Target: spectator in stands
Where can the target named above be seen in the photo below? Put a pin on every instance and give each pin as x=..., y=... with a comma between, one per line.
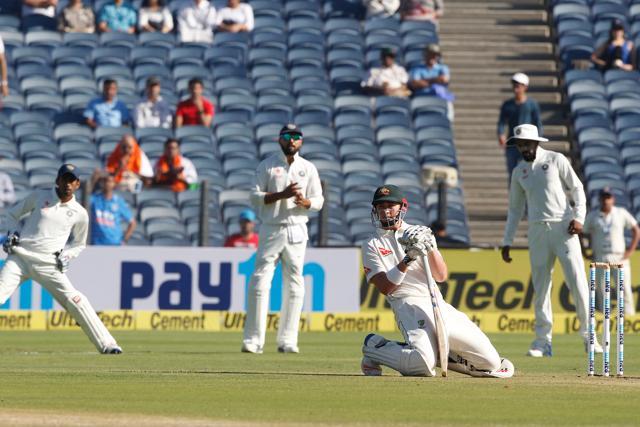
x=421, y=10
x=517, y=111
x=381, y=8
x=173, y=170
x=197, y=110
x=246, y=238
x=155, y=17
x=4, y=82
x=618, y=53
x=117, y=16
x=108, y=212
x=390, y=79
x=44, y=9
x=432, y=77
x=236, y=17
x=196, y=22
x=153, y=111
x=106, y=110
x=7, y=192
x=76, y=18
x=129, y=165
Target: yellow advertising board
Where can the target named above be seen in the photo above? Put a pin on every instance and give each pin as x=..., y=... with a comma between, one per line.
x=480, y=282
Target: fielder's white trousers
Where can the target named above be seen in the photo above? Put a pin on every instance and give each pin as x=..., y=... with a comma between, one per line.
x=629, y=303
x=274, y=245
x=24, y=265
x=418, y=355
x=548, y=240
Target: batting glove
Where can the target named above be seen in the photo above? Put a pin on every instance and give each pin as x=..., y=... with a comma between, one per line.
x=415, y=234
x=62, y=261
x=13, y=238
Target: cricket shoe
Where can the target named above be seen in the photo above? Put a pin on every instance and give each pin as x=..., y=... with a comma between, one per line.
x=597, y=347
x=112, y=350
x=370, y=368
x=251, y=348
x=537, y=351
x=288, y=349
x=461, y=365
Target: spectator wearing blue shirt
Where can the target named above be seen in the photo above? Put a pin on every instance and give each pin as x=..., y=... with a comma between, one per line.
x=118, y=17
x=519, y=110
x=432, y=77
x=107, y=111
x=108, y=212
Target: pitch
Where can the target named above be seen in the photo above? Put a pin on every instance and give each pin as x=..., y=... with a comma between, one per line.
x=55, y=378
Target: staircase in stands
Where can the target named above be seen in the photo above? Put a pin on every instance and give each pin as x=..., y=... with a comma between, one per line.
x=484, y=43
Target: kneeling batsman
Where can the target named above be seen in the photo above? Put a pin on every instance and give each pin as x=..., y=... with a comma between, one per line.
x=403, y=262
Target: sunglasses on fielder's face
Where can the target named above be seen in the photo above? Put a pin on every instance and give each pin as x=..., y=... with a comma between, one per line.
x=291, y=136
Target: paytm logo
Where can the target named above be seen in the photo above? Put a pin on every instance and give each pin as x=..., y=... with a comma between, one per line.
x=25, y=297
x=138, y=281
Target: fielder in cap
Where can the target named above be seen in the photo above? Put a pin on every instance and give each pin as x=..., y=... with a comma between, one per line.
x=539, y=182
x=393, y=263
x=54, y=232
x=287, y=189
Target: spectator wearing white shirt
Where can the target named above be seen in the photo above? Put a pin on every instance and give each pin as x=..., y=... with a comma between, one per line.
x=390, y=79
x=4, y=83
x=236, y=17
x=7, y=192
x=153, y=111
x=196, y=22
x=605, y=228
x=381, y=8
x=155, y=17
x=39, y=7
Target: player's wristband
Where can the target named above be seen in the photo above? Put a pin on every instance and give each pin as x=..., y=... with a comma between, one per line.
x=395, y=276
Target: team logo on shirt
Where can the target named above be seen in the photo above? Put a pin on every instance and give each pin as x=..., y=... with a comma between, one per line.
x=277, y=171
x=421, y=323
x=69, y=214
x=301, y=173
x=384, y=252
x=545, y=167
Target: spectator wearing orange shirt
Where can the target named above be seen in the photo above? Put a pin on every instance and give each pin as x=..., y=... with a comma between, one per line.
x=197, y=110
x=173, y=170
x=129, y=165
x=246, y=238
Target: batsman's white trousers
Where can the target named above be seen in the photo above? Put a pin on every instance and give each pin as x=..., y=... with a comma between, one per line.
x=274, y=245
x=24, y=265
x=629, y=303
x=418, y=355
x=548, y=240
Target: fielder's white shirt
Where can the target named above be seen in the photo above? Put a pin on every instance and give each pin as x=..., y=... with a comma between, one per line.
x=273, y=175
x=243, y=14
x=382, y=252
x=395, y=76
x=50, y=224
x=607, y=231
x=541, y=185
x=196, y=22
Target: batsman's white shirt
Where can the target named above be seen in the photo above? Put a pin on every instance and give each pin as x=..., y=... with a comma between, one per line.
x=542, y=185
x=413, y=310
x=50, y=224
x=273, y=175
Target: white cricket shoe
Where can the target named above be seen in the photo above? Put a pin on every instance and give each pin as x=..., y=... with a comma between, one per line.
x=540, y=351
x=251, y=348
x=370, y=368
x=459, y=364
x=288, y=349
x=506, y=370
x=116, y=349
x=597, y=347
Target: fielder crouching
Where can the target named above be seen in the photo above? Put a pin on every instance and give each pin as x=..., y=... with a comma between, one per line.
x=398, y=272
x=38, y=252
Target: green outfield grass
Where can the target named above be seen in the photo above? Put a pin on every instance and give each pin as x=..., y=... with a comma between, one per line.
x=204, y=376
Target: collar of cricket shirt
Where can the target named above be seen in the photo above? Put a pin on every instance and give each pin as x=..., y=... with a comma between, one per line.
x=283, y=157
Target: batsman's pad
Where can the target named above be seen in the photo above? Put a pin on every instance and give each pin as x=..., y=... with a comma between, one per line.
x=79, y=307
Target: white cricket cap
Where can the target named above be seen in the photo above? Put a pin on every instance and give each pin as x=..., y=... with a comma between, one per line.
x=521, y=78
x=526, y=132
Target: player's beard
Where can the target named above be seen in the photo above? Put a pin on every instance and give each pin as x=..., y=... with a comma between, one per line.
x=529, y=156
x=289, y=150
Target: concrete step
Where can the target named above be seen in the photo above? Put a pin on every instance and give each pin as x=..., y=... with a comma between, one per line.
x=525, y=65
x=465, y=132
x=481, y=95
x=467, y=26
x=493, y=47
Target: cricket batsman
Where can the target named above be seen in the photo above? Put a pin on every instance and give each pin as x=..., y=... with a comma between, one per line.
x=39, y=251
x=539, y=181
x=393, y=263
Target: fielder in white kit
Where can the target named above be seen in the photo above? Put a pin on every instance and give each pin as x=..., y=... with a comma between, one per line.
x=540, y=181
x=54, y=232
x=287, y=188
x=605, y=228
x=397, y=269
